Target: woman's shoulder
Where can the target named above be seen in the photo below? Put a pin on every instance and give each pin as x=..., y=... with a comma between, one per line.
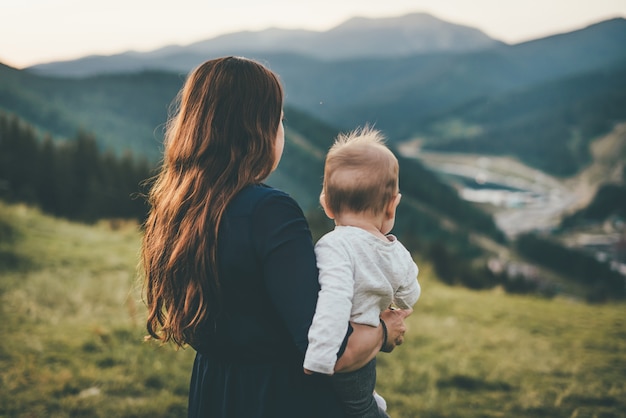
x=256, y=193
x=260, y=191
x=258, y=196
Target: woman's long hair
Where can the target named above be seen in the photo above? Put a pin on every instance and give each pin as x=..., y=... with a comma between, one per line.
x=220, y=139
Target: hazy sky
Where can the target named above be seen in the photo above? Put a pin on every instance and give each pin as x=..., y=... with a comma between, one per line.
x=36, y=31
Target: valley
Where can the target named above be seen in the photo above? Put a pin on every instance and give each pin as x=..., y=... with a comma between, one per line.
x=523, y=199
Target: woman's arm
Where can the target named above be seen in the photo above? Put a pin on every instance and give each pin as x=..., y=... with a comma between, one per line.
x=365, y=341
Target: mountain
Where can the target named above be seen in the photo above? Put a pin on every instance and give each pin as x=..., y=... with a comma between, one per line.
x=427, y=85
x=550, y=125
x=358, y=37
x=539, y=83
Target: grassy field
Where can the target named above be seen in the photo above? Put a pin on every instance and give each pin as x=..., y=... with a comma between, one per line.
x=72, y=346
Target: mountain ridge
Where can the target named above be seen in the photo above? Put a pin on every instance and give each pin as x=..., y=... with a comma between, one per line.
x=413, y=33
x=405, y=97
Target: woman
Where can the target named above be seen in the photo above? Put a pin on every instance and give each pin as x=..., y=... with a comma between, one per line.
x=229, y=262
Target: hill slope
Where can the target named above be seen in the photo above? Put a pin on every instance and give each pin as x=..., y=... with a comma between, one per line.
x=549, y=125
x=136, y=105
x=73, y=323
x=126, y=112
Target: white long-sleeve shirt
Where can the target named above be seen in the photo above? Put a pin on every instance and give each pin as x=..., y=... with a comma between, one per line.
x=360, y=276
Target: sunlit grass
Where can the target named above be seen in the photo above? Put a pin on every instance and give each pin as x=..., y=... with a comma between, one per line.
x=477, y=354
x=73, y=328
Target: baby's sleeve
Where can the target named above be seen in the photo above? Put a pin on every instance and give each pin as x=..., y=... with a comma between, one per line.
x=334, y=304
x=407, y=295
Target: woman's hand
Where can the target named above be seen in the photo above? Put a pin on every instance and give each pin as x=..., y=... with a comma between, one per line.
x=365, y=341
x=394, y=321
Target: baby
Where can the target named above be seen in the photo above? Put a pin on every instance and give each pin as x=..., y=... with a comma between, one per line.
x=363, y=269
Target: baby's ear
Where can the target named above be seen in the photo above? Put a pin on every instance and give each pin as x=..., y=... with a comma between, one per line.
x=393, y=205
x=327, y=210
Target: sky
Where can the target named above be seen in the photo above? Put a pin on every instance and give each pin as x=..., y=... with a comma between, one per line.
x=38, y=31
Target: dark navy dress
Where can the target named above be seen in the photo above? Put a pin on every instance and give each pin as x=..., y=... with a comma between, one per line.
x=249, y=364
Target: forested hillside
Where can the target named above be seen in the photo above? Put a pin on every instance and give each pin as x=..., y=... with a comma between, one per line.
x=550, y=126
x=73, y=179
x=125, y=112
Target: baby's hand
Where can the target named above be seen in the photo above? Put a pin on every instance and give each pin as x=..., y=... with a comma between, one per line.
x=307, y=371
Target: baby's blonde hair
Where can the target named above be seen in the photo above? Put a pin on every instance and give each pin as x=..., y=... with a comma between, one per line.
x=361, y=173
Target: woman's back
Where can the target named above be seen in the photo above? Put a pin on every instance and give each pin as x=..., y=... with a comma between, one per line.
x=250, y=363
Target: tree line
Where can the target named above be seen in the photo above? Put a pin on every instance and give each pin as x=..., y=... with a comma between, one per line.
x=609, y=201
x=600, y=279
x=74, y=178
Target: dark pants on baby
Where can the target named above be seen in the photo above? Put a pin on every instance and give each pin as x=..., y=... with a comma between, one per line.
x=356, y=392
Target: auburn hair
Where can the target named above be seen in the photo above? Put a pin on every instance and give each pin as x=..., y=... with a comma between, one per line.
x=220, y=139
x=360, y=173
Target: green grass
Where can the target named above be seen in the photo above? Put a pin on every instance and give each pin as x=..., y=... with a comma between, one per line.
x=73, y=327
x=489, y=354
x=72, y=324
